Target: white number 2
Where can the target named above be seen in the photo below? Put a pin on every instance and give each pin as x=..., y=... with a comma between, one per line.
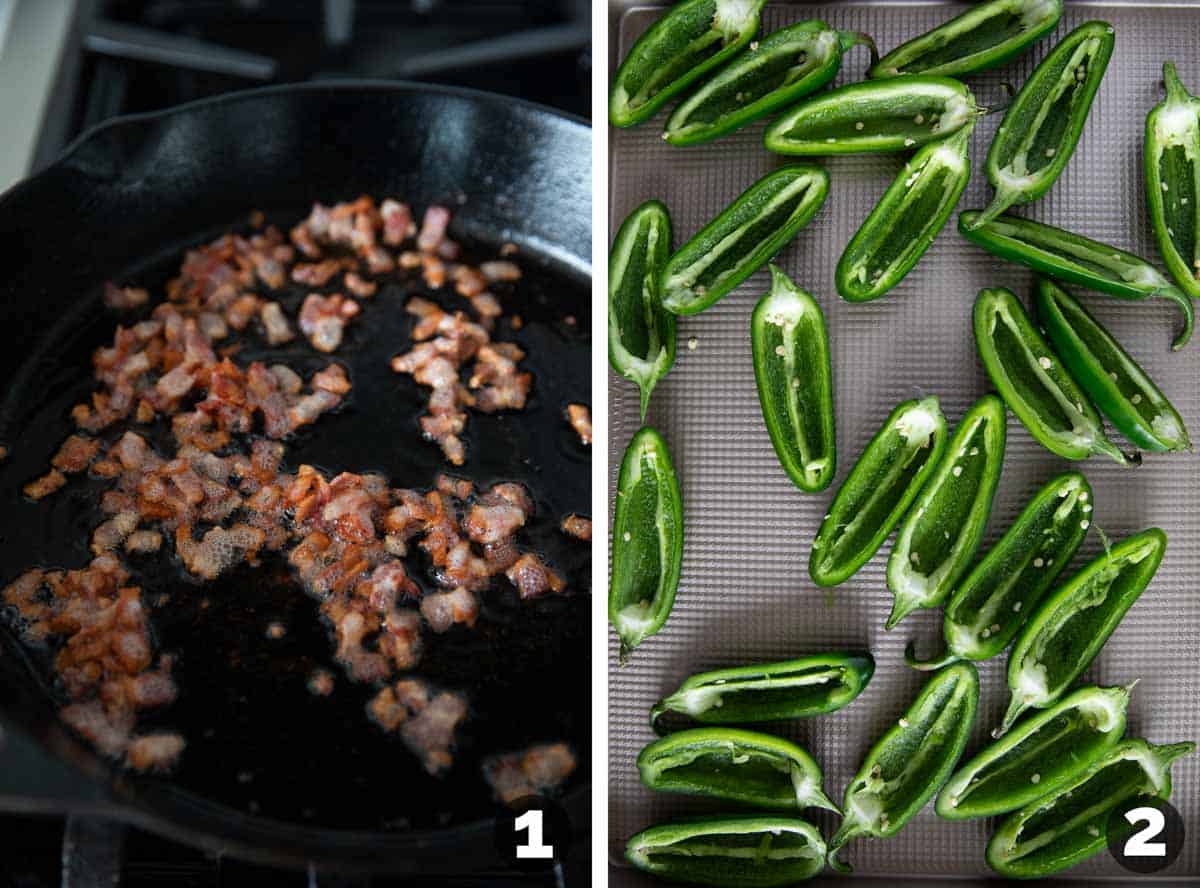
x=534, y=849
x=1136, y=845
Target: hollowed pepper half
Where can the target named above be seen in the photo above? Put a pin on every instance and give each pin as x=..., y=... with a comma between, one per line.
x=907, y=219
x=874, y=116
x=735, y=765
x=938, y=538
x=1041, y=755
x=807, y=686
x=985, y=36
x=1077, y=260
x=1113, y=379
x=641, y=335
x=694, y=37
x=1044, y=121
x=647, y=541
x=795, y=382
x=743, y=237
x=1070, y=825
x=784, y=66
x=1068, y=629
x=911, y=761
x=1035, y=383
x=878, y=491
x=752, y=851
x=992, y=603
x=1172, y=165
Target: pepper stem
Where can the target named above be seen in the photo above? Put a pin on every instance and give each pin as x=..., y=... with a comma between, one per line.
x=655, y=711
x=848, y=830
x=1167, y=753
x=1184, y=301
x=644, y=399
x=902, y=606
x=820, y=800
x=847, y=40
x=910, y=657
x=1176, y=91
x=1005, y=198
x=1016, y=707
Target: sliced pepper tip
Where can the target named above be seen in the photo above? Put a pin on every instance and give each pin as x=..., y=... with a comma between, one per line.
x=910, y=657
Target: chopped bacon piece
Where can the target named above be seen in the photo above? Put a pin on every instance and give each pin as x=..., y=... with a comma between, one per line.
x=433, y=229
x=427, y=720
x=459, y=488
x=124, y=298
x=398, y=223
x=500, y=270
x=580, y=418
x=493, y=518
x=443, y=609
x=316, y=274
x=578, y=527
x=218, y=550
x=75, y=454
x=321, y=682
x=540, y=768
x=108, y=730
x=113, y=532
x=532, y=578
x=143, y=542
x=276, y=324
x=359, y=286
x=154, y=752
x=44, y=486
x=323, y=319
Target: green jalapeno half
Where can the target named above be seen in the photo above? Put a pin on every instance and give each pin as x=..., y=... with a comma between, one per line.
x=1172, y=164
x=1068, y=629
x=874, y=116
x=1113, y=380
x=909, y=763
x=989, y=607
x=807, y=686
x=694, y=37
x=878, y=491
x=743, y=237
x=983, y=37
x=641, y=335
x=1040, y=756
x=907, y=219
x=1076, y=260
x=1044, y=121
x=753, y=851
x=740, y=766
x=938, y=538
x=1069, y=826
x=795, y=382
x=647, y=541
x=1035, y=383
x=784, y=66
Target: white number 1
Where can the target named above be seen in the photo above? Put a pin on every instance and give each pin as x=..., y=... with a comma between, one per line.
x=1136, y=845
x=534, y=849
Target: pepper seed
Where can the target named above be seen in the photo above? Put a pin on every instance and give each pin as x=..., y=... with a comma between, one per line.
x=1049, y=152
x=1038, y=562
x=974, y=451
x=627, y=536
x=1045, y=362
x=1017, y=607
x=858, y=125
x=919, y=119
x=1036, y=778
x=1136, y=399
x=1085, y=524
x=693, y=343
x=904, y=723
x=908, y=143
x=779, y=350
x=957, y=471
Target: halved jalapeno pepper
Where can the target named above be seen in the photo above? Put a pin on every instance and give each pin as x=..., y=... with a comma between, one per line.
x=739, y=766
x=1068, y=629
x=909, y=763
x=647, y=541
x=1172, y=166
x=784, y=66
x=755, y=851
x=878, y=491
x=1034, y=382
x=807, y=686
x=985, y=36
x=1077, y=260
x=1040, y=756
x=641, y=336
x=1069, y=826
x=743, y=237
x=1113, y=380
x=989, y=607
x=937, y=540
x=795, y=382
x=907, y=219
x=874, y=116
x=695, y=36
x=1042, y=125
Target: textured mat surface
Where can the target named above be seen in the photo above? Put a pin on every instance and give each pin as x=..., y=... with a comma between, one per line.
x=745, y=594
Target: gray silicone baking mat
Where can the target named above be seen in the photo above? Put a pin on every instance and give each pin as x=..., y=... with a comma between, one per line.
x=745, y=595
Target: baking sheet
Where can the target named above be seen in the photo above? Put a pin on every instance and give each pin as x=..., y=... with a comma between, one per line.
x=745, y=595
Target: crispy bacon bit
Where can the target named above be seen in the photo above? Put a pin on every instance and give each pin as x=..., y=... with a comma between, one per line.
x=539, y=769
x=359, y=286
x=580, y=418
x=3, y=453
x=495, y=375
x=323, y=319
x=578, y=527
x=426, y=720
x=398, y=223
x=442, y=610
x=75, y=454
x=321, y=682
x=433, y=229
x=124, y=298
x=276, y=324
x=494, y=517
x=154, y=752
x=143, y=542
x=532, y=578
x=459, y=488
x=500, y=270
x=316, y=274
x=44, y=486
x=113, y=532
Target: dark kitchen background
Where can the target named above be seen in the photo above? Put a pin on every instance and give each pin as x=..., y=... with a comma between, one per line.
x=67, y=65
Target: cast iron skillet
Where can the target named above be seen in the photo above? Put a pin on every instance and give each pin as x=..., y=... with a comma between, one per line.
x=271, y=772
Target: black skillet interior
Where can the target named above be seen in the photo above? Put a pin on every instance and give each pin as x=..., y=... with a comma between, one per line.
x=122, y=204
